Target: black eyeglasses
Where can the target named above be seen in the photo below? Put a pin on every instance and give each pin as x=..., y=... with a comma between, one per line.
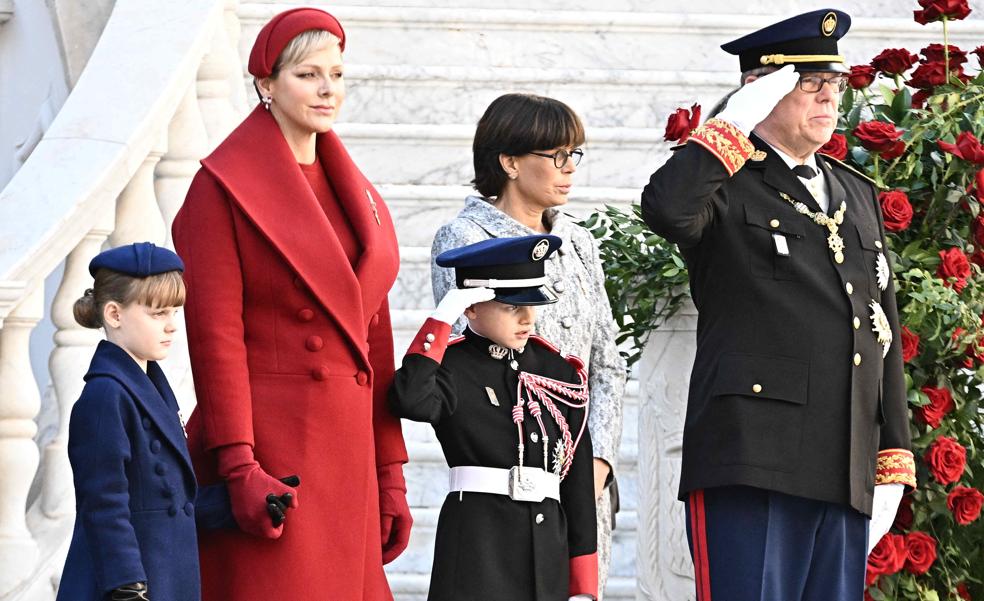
x=561, y=156
x=813, y=83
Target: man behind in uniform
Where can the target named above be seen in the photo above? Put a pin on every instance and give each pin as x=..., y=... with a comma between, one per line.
x=797, y=424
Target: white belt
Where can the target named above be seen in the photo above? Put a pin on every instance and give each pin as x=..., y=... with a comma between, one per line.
x=531, y=484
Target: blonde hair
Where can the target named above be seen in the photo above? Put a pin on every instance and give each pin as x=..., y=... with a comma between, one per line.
x=161, y=290
x=302, y=45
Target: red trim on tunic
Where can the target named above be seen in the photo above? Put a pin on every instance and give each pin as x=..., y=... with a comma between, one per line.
x=435, y=349
x=584, y=575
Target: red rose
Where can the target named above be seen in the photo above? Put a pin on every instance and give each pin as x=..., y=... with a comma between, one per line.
x=946, y=460
x=896, y=210
x=967, y=147
x=979, y=52
x=903, y=517
x=910, y=344
x=934, y=10
x=835, y=147
x=954, y=264
x=978, y=258
x=965, y=503
x=681, y=123
x=877, y=136
x=861, y=76
x=919, y=98
x=934, y=53
x=886, y=558
x=978, y=190
x=920, y=552
x=928, y=75
x=894, y=61
x=940, y=404
x=893, y=152
x=962, y=592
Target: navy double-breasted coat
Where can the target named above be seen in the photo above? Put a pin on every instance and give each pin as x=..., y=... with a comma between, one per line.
x=136, y=495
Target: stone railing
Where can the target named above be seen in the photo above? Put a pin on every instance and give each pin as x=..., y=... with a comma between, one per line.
x=113, y=168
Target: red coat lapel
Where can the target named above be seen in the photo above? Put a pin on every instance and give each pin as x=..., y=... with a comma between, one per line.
x=258, y=170
x=380, y=260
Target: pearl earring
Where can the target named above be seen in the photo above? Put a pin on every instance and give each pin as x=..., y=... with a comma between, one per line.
x=267, y=101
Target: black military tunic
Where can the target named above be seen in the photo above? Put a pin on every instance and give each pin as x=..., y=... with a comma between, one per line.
x=790, y=390
x=490, y=547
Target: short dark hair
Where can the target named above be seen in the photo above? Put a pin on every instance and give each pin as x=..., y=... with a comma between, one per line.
x=515, y=124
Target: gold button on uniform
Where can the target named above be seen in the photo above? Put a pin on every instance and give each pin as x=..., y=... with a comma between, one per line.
x=878, y=244
x=857, y=358
x=857, y=322
x=429, y=338
x=756, y=388
x=849, y=287
x=774, y=223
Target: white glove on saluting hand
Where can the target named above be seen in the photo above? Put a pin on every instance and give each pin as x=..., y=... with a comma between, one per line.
x=457, y=300
x=751, y=104
x=883, y=509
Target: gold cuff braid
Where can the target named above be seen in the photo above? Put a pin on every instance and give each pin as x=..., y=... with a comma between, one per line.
x=726, y=142
x=896, y=466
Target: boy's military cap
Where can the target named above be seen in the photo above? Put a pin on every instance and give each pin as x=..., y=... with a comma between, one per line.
x=512, y=267
x=137, y=260
x=808, y=41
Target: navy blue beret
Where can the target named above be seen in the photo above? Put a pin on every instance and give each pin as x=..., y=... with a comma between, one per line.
x=808, y=41
x=513, y=267
x=137, y=260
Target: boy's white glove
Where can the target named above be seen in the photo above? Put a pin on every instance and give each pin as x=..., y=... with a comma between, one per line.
x=883, y=509
x=457, y=300
x=751, y=104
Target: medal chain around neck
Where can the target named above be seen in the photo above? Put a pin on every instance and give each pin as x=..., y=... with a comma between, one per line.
x=834, y=240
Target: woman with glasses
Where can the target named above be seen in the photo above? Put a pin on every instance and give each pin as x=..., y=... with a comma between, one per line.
x=525, y=153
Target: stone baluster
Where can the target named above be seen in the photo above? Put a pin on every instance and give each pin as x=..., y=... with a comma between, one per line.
x=664, y=571
x=20, y=401
x=138, y=218
x=187, y=143
x=221, y=94
x=67, y=365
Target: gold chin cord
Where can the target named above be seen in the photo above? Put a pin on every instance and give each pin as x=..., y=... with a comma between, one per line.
x=783, y=59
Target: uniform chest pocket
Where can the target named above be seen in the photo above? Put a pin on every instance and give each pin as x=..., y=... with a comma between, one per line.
x=775, y=243
x=875, y=262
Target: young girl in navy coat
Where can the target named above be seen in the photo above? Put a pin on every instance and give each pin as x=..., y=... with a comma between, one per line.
x=136, y=497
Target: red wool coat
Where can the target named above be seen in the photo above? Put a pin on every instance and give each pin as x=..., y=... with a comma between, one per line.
x=291, y=350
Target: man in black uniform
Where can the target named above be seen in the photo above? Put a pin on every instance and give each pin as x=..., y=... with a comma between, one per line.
x=510, y=412
x=797, y=422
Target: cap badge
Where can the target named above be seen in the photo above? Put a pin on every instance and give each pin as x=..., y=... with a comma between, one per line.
x=540, y=250
x=829, y=24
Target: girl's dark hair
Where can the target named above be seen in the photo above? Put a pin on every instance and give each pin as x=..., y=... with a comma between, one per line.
x=515, y=124
x=162, y=290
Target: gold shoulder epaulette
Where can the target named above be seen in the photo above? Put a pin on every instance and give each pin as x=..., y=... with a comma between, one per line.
x=847, y=167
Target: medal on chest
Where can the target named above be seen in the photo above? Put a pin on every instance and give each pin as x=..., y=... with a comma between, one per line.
x=834, y=240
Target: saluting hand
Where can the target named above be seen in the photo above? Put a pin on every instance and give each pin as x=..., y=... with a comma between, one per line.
x=457, y=300
x=751, y=104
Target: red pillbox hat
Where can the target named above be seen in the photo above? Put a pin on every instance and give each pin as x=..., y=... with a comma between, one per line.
x=283, y=28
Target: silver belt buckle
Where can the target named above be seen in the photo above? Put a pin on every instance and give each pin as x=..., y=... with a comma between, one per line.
x=525, y=485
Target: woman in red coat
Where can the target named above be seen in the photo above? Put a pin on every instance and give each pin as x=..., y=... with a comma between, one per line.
x=290, y=254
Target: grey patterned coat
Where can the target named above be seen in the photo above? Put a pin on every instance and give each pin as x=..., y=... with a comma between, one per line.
x=580, y=323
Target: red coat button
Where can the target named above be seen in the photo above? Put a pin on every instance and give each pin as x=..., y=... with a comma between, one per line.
x=375, y=320
x=320, y=373
x=362, y=378
x=314, y=343
x=305, y=315
x=299, y=283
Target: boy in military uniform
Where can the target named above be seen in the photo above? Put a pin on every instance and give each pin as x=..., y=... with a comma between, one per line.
x=797, y=421
x=510, y=412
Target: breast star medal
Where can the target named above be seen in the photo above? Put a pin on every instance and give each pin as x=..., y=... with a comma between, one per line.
x=834, y=240
x=881, y=327
x=558, y=457
x=882, y=271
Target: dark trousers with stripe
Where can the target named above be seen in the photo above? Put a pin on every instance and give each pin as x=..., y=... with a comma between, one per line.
x=750, y=544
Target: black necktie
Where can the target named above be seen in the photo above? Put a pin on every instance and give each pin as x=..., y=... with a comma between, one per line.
x=804, y=171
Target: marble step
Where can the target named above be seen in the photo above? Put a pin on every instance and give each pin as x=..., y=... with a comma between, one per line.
x=615, y=157
x=419, y=210
x=512, y=37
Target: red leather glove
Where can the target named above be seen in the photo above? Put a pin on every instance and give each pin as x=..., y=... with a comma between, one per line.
x=394, y=513
x=249, y=486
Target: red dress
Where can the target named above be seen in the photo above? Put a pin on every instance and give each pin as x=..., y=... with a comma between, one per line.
x=291, y=349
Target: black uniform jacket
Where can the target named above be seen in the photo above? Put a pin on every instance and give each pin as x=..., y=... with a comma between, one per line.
x=489, y=547
x=789, y=390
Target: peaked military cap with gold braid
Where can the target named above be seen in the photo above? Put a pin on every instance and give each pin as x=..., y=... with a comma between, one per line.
x=808, y=41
